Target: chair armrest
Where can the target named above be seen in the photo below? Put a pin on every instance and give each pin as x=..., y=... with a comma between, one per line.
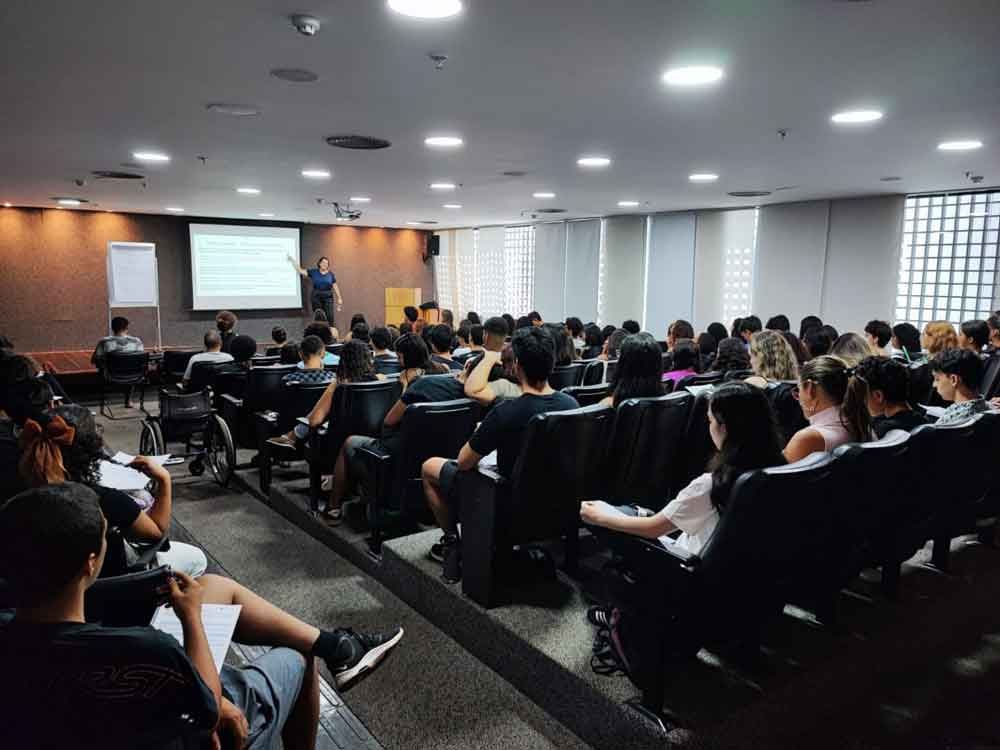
x=375, y=475
x=231, y=399
x=147, y=552
x=482, y=492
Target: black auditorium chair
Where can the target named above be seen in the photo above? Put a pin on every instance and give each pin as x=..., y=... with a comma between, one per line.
x=260, y=393
x=674, y=603
x=594, y=372
x=988, y=508
x=737, y=374
x=293, y=400
x=561, y=463
x=784, y=401
x=124, y=371
x=356, y=409
x=611, y=371
x=645, y=449
x=922, y=389
x=174, y=364
x=567, y=375
x=273, y=351
x=127, y=600
x=203, y=375
x=462, y=358
x=668, y=361
x=391, y=485
x=990, y=387
x=697, y=446
x=265, y=360
x=388, y=366
x=702, y=378
x=588, y=395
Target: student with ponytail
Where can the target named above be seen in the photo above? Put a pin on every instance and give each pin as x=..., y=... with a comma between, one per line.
x=835, y=403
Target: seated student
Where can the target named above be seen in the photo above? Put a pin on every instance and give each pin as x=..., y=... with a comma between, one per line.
x=118, y=341
x=83, y=685
x=473, y=317
x=574, y=327
x=685, y=361
x=226, y=322
x=381, y=340
x=830, y=331
x=771, y=359
x=707, y=348
x=938, y=335
x=311, y=352
x=279, y=336
x=778, y=323
x=993, y=323
x=593, y=342
x=511, y=323
x=566, y=351
x=801, y=355
x=808, y=323
x=742, y=427
x=213, y=353
x=631, y=326
x=817, y=343
x=325, y=333
x=65, y=445
x=974, y=335
x=523, y=322
x=360, y=332
x=906, y=342
x=640, y=367
x=448, y=318
x=732, y=355
x=887, y=383
x=748, y=327
x=833, y=402
x=242, y=348
x=879, y=335
x=957, y=375
x=356, y=366
x=464, y=335
x=410, y=315
x=718, y=331
x=613, y=344
x=405, y=327
x=289, y=354
x=502, y=431
x=483, y=383
x=440, y=342
x=418, y=388
x=679, y=330
x=852, y=348
x=535, y=318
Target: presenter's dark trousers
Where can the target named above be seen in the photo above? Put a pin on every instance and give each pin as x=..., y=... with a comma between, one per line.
x=324, y=302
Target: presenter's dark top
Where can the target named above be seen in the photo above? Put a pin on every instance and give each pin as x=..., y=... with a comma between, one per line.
x=322, y=282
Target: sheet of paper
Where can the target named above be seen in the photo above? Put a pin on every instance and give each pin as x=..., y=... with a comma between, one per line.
x=933, y=411
x=219, y=621
x=119, y=477
x=125, y=458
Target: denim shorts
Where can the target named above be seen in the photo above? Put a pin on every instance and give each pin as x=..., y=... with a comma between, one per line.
x=265, y=690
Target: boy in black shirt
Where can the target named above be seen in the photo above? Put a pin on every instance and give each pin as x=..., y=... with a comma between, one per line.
x=502, y=431
x=887, y=383
x=82, y=685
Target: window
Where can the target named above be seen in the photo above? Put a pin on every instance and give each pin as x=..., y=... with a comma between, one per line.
x=949, y=256
x=519, y=249
x=737, y=281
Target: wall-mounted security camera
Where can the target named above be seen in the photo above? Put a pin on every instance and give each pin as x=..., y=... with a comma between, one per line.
x=306, y=25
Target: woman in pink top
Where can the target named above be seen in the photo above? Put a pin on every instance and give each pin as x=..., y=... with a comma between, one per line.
x=834, y=403
x=685, y=361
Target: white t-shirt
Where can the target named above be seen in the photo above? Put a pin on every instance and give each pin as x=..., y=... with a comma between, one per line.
x=206, y=357
x=693, y=513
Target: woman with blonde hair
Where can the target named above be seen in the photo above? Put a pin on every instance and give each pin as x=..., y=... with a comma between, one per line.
x=852, y=348
x=772, y=359
x=938, y=335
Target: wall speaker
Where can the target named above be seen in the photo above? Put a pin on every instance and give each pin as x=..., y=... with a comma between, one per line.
x=433, y=245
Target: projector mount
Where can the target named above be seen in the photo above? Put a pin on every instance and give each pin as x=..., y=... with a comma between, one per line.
x=342, y=211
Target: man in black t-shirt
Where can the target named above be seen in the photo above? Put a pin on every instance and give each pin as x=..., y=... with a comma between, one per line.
x=502, y=431
x=440, y=342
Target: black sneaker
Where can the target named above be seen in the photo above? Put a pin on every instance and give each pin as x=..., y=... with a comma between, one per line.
x=599, y=616
x=437, y=550
x=452, y=568
x=360, y=652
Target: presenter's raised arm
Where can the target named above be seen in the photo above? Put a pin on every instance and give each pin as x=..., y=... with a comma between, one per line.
x=296, y=266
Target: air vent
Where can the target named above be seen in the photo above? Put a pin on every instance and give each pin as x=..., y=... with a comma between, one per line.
x=358, y=142
x=786, y=187
x=427, y=221
x=548, y=211
x=889, y=179
x=110, y=174
x=295, y=75
x=749, y=193
x=514, y=173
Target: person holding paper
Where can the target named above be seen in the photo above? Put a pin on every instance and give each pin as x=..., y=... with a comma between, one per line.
x=82, y=685
x=324, y=286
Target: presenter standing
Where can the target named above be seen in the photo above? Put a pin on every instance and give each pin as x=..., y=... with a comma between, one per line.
x=324, y=286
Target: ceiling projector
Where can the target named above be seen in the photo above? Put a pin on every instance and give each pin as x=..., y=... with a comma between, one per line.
x=346, y=212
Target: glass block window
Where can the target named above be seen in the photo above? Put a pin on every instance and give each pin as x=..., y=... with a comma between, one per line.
x=737, y=278
x=949, y=257
x=519, y=251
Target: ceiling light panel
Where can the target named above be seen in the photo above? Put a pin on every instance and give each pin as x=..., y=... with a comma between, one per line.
x=693, y=75
x=429, y=9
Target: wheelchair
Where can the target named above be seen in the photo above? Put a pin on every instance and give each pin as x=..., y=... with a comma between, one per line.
x=189, y=418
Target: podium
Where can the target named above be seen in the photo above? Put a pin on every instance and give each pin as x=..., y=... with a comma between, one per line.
x=396, y=298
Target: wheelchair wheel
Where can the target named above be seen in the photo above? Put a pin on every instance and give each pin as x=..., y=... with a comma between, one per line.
x=151, y=441
x=220, y=452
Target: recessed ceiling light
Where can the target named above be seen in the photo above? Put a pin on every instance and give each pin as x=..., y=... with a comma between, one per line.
x=959, y=145
x=593, y=161
x=856, y=116
x=360, y=199
x=452, y=205
x=266, y=216
x=109, y=210
x=153, y=156
x=342, y=218
x=703, y=177
x=69, y=202
x=628, y=204
x=175, y=209
x=233, y=110
x=316, y=174
x=543, y=196
x=248, y=190
x=692, y=75
x=442, y=186
x=6, y=205
x=295, y=75
x=443, y=141
x=426, y=8
x=414, y=223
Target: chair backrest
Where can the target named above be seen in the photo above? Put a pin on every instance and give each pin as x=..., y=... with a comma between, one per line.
x=702, y=378
x=785, y=405
x=125, y=600
x=359, y=409
x=265, y=360
x=462, y=358
x=921, y=384
x=567, y=375
x=334, y=348
x=588, y=395
x=697, y=446
x=388, y=366
x=263, y=385
x=126, y=367
x=184, y=407
x=737, y=374
x=594, y=374
x=273, y=351
x=175, y=362
x=203, y=375
x=990, y=387
x=296, y=400
x=645, y=449
x=438, y=428
x=560, y=464
x=667, y=360
x=611, y=371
